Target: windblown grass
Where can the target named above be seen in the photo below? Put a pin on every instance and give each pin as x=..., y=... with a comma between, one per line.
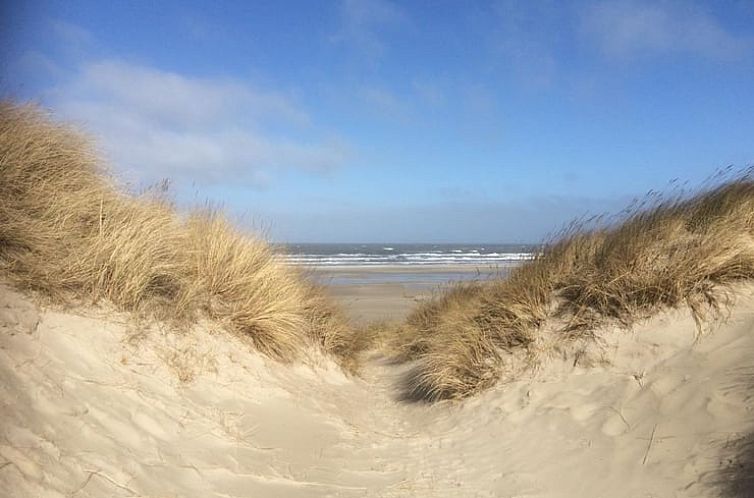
x=69, y=232
x=669, y=252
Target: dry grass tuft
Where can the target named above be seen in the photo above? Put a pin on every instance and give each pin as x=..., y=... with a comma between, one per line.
x=665, y=253
x=68, y=232
x=413, y=338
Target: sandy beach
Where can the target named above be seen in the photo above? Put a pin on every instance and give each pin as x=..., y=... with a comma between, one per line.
x=389, y=292
x=150, y=352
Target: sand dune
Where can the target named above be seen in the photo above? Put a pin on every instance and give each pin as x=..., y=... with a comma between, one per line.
x=96, y=405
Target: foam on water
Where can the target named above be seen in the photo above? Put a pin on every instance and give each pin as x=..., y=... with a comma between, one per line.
x=335, y=255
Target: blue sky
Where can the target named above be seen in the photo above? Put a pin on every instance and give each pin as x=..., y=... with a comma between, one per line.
x=378, y=121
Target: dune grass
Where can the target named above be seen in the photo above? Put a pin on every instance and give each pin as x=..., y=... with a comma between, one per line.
x=673, y=251
x=69, y=232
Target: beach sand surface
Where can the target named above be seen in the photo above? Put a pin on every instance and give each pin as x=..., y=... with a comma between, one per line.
x=388, y=293
x=93, y=404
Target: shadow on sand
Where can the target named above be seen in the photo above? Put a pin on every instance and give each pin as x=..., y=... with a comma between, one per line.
x=736, y=479
x=411, y=389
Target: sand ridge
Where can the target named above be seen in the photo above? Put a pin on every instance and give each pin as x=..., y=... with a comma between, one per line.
x=95, y=405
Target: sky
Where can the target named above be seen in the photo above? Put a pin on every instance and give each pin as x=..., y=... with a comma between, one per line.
x=379, y=121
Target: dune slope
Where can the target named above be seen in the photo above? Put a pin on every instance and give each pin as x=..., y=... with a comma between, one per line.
x=680, y=250
x=69, y=231
x=93, y=405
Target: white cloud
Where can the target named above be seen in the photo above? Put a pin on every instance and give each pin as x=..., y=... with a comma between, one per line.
x=640, y=27
x=159, y=124
x=166, y=95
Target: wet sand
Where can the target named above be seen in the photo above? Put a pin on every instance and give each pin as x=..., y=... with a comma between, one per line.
x=389, y=293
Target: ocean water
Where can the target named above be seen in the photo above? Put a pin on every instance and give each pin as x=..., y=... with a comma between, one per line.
x=415, y=266
x=371, y=255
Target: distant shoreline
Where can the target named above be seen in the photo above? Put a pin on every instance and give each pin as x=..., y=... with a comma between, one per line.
x=412, y=255
x=410, y=268
x=382, y=292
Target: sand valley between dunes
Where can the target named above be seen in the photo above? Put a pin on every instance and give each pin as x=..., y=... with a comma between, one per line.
x=96, y=405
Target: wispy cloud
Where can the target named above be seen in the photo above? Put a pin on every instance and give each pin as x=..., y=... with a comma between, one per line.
x=363, y=23
x=170, y=96
x=158, y=124
x=643, y=28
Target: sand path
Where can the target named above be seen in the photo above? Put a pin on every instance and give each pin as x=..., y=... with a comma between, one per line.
x=93, y=406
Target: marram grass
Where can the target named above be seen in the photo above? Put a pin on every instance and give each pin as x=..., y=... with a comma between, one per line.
x=683, y=250
x=69, y=232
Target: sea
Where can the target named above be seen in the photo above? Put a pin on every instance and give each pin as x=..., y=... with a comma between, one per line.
x=425, y=264
x=371, y=255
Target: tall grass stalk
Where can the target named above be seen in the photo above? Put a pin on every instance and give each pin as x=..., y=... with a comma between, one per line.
x=667, y=252
x=69, y=232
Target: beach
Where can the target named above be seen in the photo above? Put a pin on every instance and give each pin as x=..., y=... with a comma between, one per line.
x=377, y=249
x=145, y=351
x=383, y=282
x=387, y=293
